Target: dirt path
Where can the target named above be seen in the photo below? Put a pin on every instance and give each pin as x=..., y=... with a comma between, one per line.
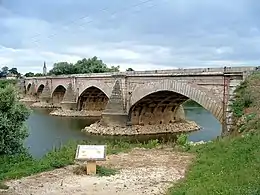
x=142, y=171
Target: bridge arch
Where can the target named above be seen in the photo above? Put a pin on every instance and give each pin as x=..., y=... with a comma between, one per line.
x=39, y=90
x=28, y=87
x=92, y=99
x=58, y=94
x=160, y=101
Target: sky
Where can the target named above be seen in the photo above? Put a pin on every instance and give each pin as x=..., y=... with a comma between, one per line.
x=141, y=34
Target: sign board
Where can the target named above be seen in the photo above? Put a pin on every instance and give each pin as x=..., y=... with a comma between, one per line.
x=91, y=152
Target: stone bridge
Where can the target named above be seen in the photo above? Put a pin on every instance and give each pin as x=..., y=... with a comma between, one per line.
x=142, y=97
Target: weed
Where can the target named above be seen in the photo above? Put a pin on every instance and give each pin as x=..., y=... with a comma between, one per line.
x=105, y=171
x=3, y=186
x=101, y=170
x=152, y=144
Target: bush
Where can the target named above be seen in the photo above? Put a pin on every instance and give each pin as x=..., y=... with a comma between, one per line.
x=13, y=114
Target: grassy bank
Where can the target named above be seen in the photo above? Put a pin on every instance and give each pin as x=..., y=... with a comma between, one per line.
x=230, y=165
x=14, y=167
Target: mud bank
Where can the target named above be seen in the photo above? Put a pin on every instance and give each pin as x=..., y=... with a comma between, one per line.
x=178, y=127
x=44, y=105
x=27, y=100
x=73, y=113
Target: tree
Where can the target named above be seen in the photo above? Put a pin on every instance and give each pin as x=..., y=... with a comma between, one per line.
x=114, y=69
x=38, y=75
x=13, y=71
x=29, y=74
x=13, y=115
x=5, y=69
x=62, y=68
x=129, y=69
x=91, y=65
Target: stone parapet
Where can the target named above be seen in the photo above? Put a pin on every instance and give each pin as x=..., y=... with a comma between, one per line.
x=169, y=72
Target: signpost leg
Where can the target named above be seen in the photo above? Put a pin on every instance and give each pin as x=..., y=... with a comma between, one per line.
x=91, y=167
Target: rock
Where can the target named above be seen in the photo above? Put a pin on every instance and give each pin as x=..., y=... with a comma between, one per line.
x=186, y=126
x=74, y=113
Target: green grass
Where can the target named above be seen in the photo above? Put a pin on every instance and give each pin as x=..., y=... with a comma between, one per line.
x=101, y=170
x=105, y=171
x=14, y=167
x=228, y=166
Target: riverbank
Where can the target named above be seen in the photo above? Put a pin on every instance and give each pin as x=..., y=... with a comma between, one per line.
x=140, y=171
x=44, y=105
x=132, y=164
x=178, y=127
x=33, y=103
x=73, y=113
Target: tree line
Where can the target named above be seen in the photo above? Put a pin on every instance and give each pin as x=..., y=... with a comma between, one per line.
x=5, y=71
x=90, y=65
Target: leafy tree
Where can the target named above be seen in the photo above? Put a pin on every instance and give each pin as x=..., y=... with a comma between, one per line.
x=129, y=69
x=114, y=69
x=62, y=68
x=13, y=114
x=5, y=69
x=91, y=65
x=38, y=75
x=13, y=71
x=29, y=74
x=5, y=82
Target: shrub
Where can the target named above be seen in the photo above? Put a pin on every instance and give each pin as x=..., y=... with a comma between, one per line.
x=13, y=114
x=182, y=139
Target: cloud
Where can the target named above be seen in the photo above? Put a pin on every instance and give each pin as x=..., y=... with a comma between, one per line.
x=140, y=34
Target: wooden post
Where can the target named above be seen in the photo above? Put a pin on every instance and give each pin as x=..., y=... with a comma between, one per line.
x=91, y=167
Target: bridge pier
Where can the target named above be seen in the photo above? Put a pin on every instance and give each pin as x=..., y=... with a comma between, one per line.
x=32, y=91
x=69, y=101
x=114, y=114
x=46, y=93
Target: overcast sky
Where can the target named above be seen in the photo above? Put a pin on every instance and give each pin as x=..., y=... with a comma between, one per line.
x=142, y=34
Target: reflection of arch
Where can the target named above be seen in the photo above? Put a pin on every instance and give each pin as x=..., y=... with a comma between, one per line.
x=166, y=96
x=39, y=90
x=58, y=94
x=92, y=99
x=28, y=87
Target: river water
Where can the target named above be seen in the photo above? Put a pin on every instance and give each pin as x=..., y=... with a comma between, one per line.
x=47, y=132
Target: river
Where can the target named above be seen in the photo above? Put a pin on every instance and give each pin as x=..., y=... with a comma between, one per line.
x=46, y=132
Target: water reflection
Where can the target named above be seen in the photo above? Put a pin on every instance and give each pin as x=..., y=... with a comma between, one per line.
x=211, y=127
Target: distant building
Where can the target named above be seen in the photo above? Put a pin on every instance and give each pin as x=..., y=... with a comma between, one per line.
x=44, y=69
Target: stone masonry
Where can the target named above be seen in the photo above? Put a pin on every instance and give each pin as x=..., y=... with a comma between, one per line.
x=142, y=97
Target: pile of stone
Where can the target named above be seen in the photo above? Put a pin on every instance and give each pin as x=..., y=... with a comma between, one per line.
x=73, y=113
x=187, y=126
x=43, y=105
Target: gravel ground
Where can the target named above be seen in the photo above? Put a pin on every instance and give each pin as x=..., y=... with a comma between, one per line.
x=142, y=171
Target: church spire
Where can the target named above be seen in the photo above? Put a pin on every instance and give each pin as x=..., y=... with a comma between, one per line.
x=44, y=68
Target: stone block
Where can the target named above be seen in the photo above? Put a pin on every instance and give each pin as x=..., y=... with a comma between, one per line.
x=69, y=105
x=114, y=120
